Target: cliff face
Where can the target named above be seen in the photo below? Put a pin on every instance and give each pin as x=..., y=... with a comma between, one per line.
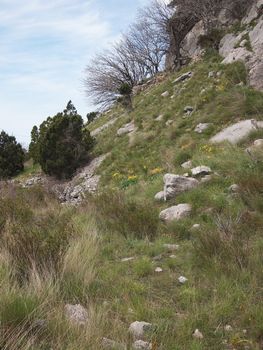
x=245, y=45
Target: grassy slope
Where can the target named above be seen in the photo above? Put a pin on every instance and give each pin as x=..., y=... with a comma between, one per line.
x=222, y=260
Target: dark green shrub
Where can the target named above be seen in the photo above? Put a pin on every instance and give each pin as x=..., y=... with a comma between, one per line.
x=12, y=156
x=126, y=216
x=63, y=143
x=92, y=116
x=211, y=40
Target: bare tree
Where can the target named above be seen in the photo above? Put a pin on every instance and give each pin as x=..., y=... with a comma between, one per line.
x=139, y=55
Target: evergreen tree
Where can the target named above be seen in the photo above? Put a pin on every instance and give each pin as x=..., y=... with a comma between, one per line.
x=11, y=156
x=63, y=143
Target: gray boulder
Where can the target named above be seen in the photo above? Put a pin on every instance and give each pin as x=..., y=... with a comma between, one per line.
x=187, y=165
x=176, y=212
x=201, y=170
x=183, y=77
x=175, y=184
x=138, y=329
x=77, y=314
x=237, y=132
x=126, y=129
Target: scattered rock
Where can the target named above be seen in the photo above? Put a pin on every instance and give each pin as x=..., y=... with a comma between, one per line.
x=206, y=178
x=138, y=329
x=165, y=94
x=212, y=74
x=109, y=344
x=188, y=110
x=175, y=184
x=103, y=127
x=159, y=118
x=200, y=128
x=237, y=132
x=36, y=180
x=76, y=314
x=182, y=279
x=126, y=129
x=141, y=345
x=234, y=188
x=196, y=227
x=201, y=170
x=158, y=269
x=169, y=122
x=183, y=77
x=228, y=328
x=258, y=143
x=197, y=334
x=176, y=212
x=171, y=247
x=127, y=259
x=187, y=165
x=172, y=256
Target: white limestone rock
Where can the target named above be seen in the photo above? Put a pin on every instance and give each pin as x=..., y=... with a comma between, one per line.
x=138, y=329
x=176, y=212
x=237, y=132
x=77, y=314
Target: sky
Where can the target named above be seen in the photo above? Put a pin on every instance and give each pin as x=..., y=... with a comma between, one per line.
x=45, y=46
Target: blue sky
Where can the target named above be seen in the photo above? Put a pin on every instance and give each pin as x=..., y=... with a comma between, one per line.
x=44, y=48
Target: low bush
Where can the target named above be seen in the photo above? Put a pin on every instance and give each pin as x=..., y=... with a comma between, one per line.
x=126, y=216
x=34, y=237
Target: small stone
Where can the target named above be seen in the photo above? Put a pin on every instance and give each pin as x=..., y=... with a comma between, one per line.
x=187, y=165
x=201, y=170
x=172, y=256
x=206, y=178
x=165, y=94
x=169, y=122
x=258, y=143
x=76, y=314
x=128, y=259
x=158, y=257
x=203, y=91
x=228, y=328
x=196, y=227
x=141, y=345
x=138, y=329
x=182, y=279
x=112, y=345
x=171, y=247
x=188, y=109
x=234, y=188
x=244, y=331
x=197, y=334
x=172, y=97
x=159, y=118
x=158, y=269
x=183, y=77
x=212, y=74
x=201, y=127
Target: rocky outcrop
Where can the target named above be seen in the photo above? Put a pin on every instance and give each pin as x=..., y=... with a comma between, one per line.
x=237, y=132
x=103, y=127
x=86, y=181
x=247, y=46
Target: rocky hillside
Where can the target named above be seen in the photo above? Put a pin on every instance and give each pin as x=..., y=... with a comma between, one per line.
x=164, y=247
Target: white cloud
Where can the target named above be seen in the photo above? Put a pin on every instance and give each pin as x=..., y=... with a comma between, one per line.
x=44, y=48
